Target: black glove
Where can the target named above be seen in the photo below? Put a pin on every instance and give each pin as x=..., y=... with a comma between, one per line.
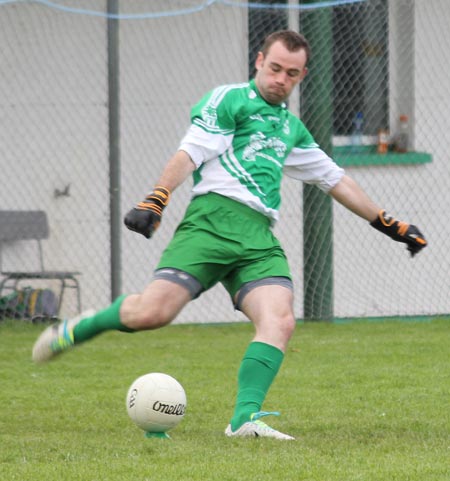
x=400, y=232
x=146, y=216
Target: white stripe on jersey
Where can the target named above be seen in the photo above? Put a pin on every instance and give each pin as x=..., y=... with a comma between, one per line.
x=202, y=145
x=219, y=93
x=211, y=128
x=220, y=181
x=233, y=164
x=213, y=102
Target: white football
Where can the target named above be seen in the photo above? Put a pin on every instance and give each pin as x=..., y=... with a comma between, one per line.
x=156, y=402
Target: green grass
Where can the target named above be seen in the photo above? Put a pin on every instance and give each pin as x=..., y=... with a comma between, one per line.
x=367, y=401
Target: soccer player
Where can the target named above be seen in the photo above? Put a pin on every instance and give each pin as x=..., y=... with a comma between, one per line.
x=241, y=140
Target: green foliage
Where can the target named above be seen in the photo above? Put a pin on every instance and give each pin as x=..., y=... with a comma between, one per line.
x=366, y=401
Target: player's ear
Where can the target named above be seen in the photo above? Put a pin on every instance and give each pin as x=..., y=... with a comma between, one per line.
x=304, y=73
x=259, y=61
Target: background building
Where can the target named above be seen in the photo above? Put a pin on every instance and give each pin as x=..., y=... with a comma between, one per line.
x=95, y=96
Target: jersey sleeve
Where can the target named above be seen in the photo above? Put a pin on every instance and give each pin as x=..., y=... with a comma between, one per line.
x=212, y=127
x=310, y=164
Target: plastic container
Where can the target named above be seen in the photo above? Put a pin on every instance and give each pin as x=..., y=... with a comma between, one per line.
x=383, y=141
x=402, y=137
x=357, y=132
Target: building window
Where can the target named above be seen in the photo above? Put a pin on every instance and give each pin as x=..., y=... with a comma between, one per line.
x=359, y=57
x=360, y=66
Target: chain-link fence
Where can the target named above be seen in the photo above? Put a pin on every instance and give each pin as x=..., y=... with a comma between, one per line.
x=72, y=74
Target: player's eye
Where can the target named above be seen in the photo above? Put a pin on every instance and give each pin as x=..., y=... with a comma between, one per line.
x=293, y=73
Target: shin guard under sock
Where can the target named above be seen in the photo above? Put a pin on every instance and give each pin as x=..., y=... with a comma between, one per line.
x=104, y=320
x=258, y=369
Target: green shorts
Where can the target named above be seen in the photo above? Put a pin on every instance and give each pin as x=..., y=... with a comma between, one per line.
x=221, y=240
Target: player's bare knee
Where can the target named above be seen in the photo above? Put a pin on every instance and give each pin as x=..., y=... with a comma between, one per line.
x=140, y=314
x=153, y=317
x=287, y=325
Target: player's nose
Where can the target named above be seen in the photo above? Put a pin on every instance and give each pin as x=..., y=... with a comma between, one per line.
x=281, y=78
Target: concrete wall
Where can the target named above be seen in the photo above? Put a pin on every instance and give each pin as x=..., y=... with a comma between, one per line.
x=54, y=132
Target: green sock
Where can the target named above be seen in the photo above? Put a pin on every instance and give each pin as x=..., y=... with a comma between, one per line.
x=104, y=320
x=258, y=369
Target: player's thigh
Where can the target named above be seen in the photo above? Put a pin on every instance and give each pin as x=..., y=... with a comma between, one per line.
x=270, y=308
x=158, y=304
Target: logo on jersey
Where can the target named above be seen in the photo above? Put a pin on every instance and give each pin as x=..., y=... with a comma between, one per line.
x=257, y=117
x=273, y=119
x=259, y=142
x=209, y=115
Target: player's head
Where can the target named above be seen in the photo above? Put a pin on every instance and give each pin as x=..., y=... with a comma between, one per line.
x=281, y=65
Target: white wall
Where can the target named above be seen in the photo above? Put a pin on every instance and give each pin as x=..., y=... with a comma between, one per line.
x=54, y=130
x=415, y=193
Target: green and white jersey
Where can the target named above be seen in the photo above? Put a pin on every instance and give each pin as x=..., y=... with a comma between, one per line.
x=242, y=145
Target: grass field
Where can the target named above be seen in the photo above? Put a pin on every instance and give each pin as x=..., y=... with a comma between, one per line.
x=366, y=401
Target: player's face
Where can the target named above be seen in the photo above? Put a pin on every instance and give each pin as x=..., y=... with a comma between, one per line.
x=279, y=71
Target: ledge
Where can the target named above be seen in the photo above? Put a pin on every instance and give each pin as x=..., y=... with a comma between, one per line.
x=345, y=156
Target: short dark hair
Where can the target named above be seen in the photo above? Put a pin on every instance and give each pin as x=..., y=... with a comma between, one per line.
x=292, y=40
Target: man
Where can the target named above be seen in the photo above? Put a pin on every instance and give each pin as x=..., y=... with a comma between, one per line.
x=241, y=140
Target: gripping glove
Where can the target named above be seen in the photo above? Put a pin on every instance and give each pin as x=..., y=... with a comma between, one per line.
x=400, y=232
x=145, y=217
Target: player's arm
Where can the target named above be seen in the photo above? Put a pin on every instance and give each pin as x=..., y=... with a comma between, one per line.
x=348, y=193
x=177, y=170
x=145, y=216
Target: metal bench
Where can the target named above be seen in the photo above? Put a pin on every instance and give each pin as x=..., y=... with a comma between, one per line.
x=16, y=225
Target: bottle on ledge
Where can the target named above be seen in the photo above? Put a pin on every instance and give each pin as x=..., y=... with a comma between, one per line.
x=402, y=137
x=357, y=132
x=383, y=141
